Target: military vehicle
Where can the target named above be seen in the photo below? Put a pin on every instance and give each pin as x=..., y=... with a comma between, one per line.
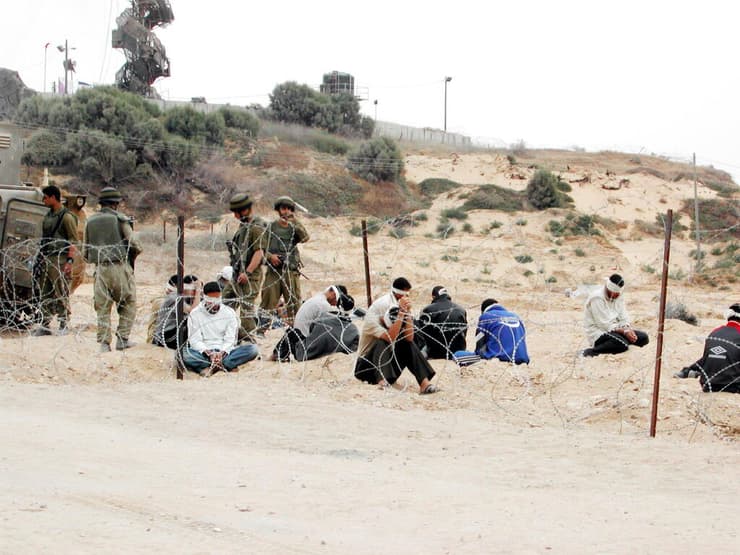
x=22, y=212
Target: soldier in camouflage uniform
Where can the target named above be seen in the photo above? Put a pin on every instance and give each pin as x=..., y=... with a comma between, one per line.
x=283, y=259
x=109, y=244
x=56, y=256
x=246, y=260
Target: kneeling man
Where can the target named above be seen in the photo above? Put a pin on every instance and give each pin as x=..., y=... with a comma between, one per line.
x=607, y=322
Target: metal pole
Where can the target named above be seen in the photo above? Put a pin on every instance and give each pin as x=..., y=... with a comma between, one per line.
x=66, y=62
x=696, y=222
x=661, y=320
x=445, y=104
x=46, y=50
x=367, y=263
x=180, y=277
x=164, y=231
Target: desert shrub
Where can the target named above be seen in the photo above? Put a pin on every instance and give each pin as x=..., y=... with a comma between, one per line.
x=240, y=119
x=454, y=214
x=450, y=258
x=215, y=128
x=676, y=310
x=717, y=251
x=725, y=190
x=582, y=224
x=445, y=229
x=647, y=268
x=434, y=186
x=564, y=187
x=521, y=222
x=523, y=258
x=511, y=159
x=551, y=279
x=467, y=227
x=715, y=214
x=527, y=273
x=186, y=122
x=373, y=226
x=579, y=252
x=99, y=157
x=398, y=232
x=329, y=144
x=493, y=197
x=543, y=191
x=647, y=171
x=495, y=224
x=420, y=217
x=377, y=160
x=697, y=254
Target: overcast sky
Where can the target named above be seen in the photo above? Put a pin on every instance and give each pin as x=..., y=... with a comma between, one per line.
x=654, y=75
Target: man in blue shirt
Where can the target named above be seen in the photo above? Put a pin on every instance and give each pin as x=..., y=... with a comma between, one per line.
x=500, y=334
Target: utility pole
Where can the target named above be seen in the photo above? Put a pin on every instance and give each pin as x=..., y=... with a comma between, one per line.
x=69, y=65
x=696, y=220
x=447, y=80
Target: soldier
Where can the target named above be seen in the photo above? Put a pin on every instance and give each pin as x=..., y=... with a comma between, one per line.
x=246, y=262
x=283, y=259
x=109, y=244
x=55, y=258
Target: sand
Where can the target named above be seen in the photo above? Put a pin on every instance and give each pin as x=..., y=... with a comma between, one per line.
x=111, y=453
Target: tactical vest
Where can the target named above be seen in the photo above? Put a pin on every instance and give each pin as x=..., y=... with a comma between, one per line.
x=53, y=243
x=283, y=242
x=105, y=244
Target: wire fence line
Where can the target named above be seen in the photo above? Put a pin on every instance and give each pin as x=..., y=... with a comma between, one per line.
x=558, y=385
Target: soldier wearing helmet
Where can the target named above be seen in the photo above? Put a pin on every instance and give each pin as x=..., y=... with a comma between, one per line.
x=110, y=245
x=246, y=262
x=283, y=259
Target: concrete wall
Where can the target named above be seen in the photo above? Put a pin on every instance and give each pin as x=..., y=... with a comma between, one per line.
x=425, y=135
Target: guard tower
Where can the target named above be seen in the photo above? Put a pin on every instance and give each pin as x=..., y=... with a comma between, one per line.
x=146, y=60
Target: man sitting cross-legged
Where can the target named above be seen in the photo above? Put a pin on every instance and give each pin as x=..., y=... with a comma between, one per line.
x=212, y=336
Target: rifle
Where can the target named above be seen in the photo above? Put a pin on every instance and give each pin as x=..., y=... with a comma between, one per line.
x=234, y=261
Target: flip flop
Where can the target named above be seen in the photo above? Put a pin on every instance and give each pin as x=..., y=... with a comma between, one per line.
x=431, y=388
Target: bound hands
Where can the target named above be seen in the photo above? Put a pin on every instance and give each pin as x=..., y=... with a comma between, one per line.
x=67, y=270
x=217, y=358
x=629, y=334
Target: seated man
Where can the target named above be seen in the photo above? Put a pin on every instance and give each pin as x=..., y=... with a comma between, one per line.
x=157, y=302
x=387, y=342
x=309, y=311
x=166, y=328
x=443, y=325
x=500, y=334
x=607, y=322
x=212, y=335
x=719, y=367
x=332, y=332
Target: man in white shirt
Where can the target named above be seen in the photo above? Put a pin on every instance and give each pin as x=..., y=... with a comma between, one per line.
x=309, y=312
x=387, y=342
x=607, y=322
x=212, y=336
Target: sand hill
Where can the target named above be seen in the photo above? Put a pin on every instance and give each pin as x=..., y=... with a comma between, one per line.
x=110, y=452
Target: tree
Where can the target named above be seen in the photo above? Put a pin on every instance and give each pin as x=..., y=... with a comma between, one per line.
x=543, y=191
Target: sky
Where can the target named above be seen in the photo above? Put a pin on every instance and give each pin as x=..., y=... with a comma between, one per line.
x=646, y=76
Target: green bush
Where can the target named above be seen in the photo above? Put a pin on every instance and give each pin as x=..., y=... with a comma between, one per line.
x=100, y=157
x=445, y=229
x=543, y=191
x=377, y=160
x=523, y=258
x=454, y=214
x=434, y=186
x=329, y=144
x=580, y=252
x=186, y=122
x=240, y=119
x=718, y=215
x=215, y=128
x=45, y=148
x=373, y=226
x=467, y=228
x=493, y=197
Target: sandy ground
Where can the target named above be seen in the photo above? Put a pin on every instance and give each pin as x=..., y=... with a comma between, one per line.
x=110, y=453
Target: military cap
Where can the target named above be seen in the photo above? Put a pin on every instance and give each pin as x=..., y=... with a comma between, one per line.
x=284, y=201
x=239, y=202
x=110, y=195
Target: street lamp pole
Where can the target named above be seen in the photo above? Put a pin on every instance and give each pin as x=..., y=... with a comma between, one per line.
x=376, y=109
x=46, y=49
x=447, y=80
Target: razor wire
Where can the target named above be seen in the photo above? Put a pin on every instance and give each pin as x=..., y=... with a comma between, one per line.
x=557, y=384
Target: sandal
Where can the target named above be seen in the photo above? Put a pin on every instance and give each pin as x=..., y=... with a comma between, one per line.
x=431, y=388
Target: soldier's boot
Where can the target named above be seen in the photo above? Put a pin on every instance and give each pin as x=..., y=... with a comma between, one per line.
x=104, y=348
x=122, y=343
